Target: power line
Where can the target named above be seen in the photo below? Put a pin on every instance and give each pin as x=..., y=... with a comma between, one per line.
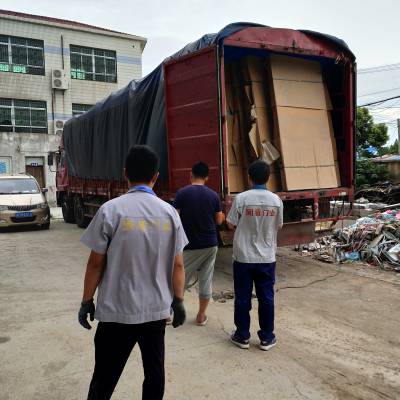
x=378, y=70
x=381, y=108
x=377, y=67
x=379, y=101
x=381, y=91
x=382, y=68
x=391, y=122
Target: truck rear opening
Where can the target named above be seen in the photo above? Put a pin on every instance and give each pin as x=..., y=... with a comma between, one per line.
x=268, y=98
x=278, y=109
x=245, y=93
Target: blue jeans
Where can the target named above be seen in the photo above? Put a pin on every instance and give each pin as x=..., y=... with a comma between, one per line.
x=263, y=276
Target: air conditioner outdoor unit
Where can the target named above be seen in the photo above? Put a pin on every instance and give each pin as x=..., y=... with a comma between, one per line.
x=59, y=79
x=58, y=126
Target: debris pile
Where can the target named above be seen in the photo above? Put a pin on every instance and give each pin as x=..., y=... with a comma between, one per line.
x=223, y=296
x=373, y=239
x=385, y=193
x=360, y=208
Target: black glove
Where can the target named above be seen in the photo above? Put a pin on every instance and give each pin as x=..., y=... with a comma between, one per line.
x=87, y=307
x=179, y=312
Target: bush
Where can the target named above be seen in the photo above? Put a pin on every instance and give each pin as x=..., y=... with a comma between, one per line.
x=369, y=173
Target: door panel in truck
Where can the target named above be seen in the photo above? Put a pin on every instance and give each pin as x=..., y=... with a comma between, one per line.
x=192, y=117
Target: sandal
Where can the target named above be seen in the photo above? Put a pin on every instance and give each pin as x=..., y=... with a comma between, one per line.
x=203, y=323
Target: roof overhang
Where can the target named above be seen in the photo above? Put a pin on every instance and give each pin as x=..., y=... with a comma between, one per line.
x=70, y=25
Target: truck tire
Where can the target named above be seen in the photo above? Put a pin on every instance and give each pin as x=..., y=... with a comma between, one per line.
x=79, y=212
x=67, y=208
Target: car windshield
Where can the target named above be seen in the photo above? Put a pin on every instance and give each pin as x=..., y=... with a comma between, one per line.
x=18, y=186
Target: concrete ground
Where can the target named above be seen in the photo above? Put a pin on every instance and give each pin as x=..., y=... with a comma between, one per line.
x=56, y=212
x=338, y=331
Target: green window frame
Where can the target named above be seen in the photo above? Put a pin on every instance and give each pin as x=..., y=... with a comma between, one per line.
x=92, y=64
x=23, y=116
x=21, y=55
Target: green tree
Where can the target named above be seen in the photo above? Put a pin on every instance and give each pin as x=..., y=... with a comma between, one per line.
x=368, y=133
x=391, y=149
x=369, y=173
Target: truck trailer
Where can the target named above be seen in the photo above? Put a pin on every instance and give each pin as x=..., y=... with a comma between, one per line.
x=248, y=92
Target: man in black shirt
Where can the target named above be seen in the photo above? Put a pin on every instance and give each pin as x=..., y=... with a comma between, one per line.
x=200, y=211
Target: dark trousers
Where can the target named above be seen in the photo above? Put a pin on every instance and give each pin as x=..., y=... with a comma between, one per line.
x=113, y=345
x=263, y=277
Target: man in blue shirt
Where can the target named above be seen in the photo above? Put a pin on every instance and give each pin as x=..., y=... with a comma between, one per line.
x=200, y=211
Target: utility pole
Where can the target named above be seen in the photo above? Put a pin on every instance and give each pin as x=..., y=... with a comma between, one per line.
x=398, y=135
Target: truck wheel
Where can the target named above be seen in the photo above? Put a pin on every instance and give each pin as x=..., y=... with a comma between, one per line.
x=67, y=208
x=79, y=212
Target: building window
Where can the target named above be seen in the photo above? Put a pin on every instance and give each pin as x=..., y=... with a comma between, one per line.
x=23, y=116
x=20, y=55
x=78, y=109
x=93, y=64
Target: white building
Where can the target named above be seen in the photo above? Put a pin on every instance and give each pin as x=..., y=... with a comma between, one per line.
x=50, y=70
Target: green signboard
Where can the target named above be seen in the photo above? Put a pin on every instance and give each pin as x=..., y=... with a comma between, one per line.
x=77, y=74
x=4, y=67
x=21, y=69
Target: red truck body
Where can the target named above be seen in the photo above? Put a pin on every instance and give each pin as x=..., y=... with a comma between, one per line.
x=196, y=130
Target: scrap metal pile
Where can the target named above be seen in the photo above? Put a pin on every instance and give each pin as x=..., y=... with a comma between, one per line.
x=384, y=193
x=374, y=239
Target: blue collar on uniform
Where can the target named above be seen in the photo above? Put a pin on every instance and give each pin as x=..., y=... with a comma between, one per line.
x=260, y=187
x=142, y=188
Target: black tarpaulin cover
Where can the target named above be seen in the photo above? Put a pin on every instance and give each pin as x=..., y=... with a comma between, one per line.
x=97, y=141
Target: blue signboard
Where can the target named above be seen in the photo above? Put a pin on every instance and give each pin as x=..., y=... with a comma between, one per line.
x=3, y=167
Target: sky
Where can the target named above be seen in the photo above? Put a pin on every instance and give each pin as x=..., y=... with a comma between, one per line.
x=369, y=27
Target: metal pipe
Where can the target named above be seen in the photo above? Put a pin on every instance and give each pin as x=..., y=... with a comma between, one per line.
x=220, y=121
x=62, y=51
x=398, y=135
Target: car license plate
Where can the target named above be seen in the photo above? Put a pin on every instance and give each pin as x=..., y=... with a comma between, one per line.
x=23, y=214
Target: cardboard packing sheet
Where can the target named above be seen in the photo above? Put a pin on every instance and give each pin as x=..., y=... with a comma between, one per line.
x=234, y=112
x=310, y=177
x=303, y=124
x=303, y=137
x=259, y=94
x=249, y=93
x=295, y=69
x=264, y=125
x=269, y=153
x=255, y=139
x=305, y=144
x=274, y=182
x=236, y=179
x=255, y=68
x=301, y=94
x=231, y=155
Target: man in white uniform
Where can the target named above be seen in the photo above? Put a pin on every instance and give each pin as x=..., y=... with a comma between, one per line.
x=136, y=262
x=257, y=215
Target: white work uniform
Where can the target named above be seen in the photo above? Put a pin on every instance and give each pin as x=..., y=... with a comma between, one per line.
x=141, y=235
x=257, y=214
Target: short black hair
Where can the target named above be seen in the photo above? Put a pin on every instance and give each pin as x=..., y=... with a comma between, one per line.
x=200, y=170
x=141, y=164
x=259, y=172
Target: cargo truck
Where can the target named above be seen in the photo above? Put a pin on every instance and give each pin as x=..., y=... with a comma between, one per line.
x=247, y=92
